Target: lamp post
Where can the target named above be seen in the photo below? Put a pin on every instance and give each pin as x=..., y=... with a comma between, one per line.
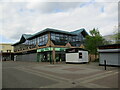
x=50, y=54
x=50, y=47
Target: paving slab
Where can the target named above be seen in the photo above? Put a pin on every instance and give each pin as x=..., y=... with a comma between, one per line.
x=46, y=75
x=14, y=78
x=110, y=81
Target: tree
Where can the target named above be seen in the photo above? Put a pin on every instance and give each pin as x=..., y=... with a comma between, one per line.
x=116, y=35
x=93, y=41
x=94, y=32
x=117, y=38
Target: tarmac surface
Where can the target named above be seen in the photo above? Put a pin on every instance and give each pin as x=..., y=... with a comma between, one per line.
x=0, y=75
x=44, y=75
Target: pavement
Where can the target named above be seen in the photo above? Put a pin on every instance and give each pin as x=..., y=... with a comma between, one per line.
x=0, y=75
x=44, y=75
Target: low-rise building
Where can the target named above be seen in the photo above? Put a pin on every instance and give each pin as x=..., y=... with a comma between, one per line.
x=6, y=51
x=110, y=54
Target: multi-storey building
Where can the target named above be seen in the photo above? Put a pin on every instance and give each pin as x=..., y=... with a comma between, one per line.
x=48, y=45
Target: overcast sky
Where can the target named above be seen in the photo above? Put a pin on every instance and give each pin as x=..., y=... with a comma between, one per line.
x=17, y=18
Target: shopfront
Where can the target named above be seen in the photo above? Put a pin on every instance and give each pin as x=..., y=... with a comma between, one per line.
x=51, y=54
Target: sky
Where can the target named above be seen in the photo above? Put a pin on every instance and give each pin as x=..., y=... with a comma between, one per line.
x=19, y=17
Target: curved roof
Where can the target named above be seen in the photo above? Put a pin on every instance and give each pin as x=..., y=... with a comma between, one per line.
x=26, y=36
x=83, y=31
x=22, y=39
x=29, y=36
x=51, y=30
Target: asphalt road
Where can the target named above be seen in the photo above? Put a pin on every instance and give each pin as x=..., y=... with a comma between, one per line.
x=14, y=78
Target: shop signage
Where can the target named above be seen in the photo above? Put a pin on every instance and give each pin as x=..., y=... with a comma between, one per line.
x=72, y=50
x=50, y=49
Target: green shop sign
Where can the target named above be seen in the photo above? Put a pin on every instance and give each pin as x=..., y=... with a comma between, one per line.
x=50, y=49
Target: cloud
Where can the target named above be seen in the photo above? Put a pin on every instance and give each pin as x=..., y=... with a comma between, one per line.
x=51, y=7
x=26, y=17
x=58, y=0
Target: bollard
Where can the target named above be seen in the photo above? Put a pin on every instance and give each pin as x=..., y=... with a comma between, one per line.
x=105, y=64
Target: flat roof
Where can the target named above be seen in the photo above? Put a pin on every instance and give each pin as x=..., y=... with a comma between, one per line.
x=77, y=49
x=110, y=46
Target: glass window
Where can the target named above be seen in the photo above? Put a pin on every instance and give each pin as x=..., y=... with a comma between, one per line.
x=43, y=37
x=53, y=36
x=32, y=41
x=70, y=38
x=46, y=39
x=40, y=39
x=37, y=39
x=65, y=36
x=57, y=38
x=43, y=40
x=29, y=42
x=77, y=38
x=57, y=35
x=61, y=35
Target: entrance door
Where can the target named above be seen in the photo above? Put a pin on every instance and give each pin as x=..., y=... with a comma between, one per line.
x=43, y=57
x=60, y=56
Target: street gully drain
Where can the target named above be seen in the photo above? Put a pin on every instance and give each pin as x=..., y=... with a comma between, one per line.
x=73, y=83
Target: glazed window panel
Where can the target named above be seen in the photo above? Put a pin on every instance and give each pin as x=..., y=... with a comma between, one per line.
x=46, y=37
x=37, y=39
x=40, y=39
x=65, y=36
x=57, y=38
x=43, y=37
x=77, y=38
x=29, y=42
x=57, y=35
x=52, y=36
x=34, y=41
x=70, y=38
x=43, y=40
x=61, y=36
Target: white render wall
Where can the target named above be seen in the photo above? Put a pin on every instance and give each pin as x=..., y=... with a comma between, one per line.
x=74, y=57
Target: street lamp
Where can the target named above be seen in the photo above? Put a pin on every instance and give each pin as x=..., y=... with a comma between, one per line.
x=50, y=47
x=50, y=54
